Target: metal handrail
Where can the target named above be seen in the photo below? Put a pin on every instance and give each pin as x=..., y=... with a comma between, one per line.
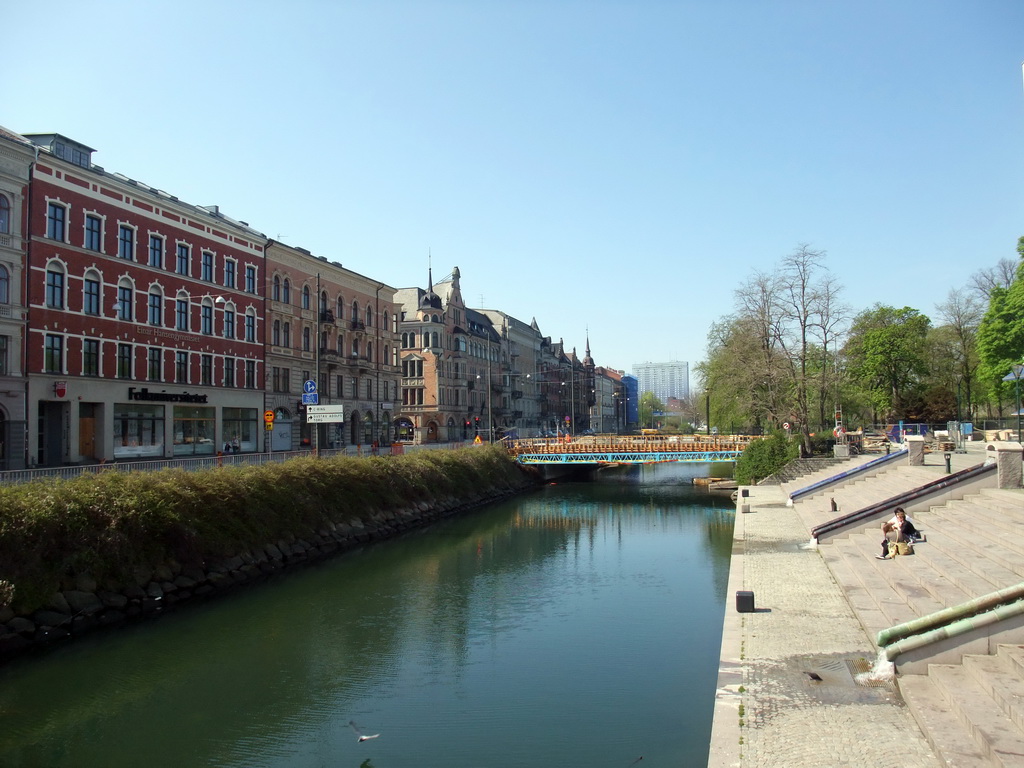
x=920, y=492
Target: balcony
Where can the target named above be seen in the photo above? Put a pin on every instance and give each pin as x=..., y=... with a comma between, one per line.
x=357, y=325
x=326, y=316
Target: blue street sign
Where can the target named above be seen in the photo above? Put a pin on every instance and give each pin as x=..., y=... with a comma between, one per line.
x=311, y=399
x=309, y=387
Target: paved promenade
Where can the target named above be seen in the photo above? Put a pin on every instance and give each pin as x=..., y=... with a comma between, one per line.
x=768, y=710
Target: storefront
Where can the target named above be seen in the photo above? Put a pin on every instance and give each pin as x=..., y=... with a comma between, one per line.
x=81, y=421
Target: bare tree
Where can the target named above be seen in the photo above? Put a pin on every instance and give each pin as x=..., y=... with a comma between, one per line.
x=797, y=318
x=999, y=276
x=961, y=312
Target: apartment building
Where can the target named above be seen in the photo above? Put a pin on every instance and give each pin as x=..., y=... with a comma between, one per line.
x=145, y=334
x=16, y=158
x=339, y=328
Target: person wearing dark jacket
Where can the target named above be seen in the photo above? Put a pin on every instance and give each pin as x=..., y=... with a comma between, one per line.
x=899, y=528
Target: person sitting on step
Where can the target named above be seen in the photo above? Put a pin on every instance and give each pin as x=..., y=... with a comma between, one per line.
x=899, y=528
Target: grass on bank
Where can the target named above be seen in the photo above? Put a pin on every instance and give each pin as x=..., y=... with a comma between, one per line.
x=112, y=524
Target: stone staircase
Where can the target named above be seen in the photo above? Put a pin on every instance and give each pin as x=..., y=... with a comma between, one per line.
x=966, y=692
x=972, y=713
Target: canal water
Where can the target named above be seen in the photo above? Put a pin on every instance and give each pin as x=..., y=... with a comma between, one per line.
x=577, y=626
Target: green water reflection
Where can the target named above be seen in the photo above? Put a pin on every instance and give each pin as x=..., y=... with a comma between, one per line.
x=575, y=626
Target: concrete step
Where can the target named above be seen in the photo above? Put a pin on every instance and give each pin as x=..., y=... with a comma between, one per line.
x=1000, y=679
x=944, y=732
x=994, y=733
x=979, y=541
x=1008, y=499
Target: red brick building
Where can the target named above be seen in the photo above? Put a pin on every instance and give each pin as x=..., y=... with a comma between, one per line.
x=146, y=330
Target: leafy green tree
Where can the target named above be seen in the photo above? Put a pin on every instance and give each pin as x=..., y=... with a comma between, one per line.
x=885, y=353
x=649, y=403
x=1001, y=334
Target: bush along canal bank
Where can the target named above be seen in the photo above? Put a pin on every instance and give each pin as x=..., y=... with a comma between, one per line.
x=101, y=550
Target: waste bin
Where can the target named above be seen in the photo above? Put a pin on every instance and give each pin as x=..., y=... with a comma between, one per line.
x=744, y=601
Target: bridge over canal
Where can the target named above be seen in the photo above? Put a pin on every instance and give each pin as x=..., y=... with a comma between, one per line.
x=602, y=450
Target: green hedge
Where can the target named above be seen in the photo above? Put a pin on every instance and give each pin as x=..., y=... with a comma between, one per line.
x=765, y=457
x=110, y=524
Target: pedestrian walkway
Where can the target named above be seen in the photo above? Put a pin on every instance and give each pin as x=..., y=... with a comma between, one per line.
x=787, y=693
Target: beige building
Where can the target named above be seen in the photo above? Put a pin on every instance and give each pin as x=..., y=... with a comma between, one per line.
x=16, y=156
x=334, y=326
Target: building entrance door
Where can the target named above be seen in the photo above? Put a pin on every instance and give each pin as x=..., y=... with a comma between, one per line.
x=87, y=430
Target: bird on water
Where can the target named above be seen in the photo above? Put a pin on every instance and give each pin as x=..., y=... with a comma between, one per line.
x=360, y=734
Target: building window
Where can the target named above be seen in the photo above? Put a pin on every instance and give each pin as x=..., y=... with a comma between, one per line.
x=206, y=319
x=91, y=296
x=286, y=292
x=56, y=220
x=276, y=339
x=93, y=233
x=90, y=357
x=207, y=267
x=305, y=297
x=250, y=279
x=206, y=370
x=229, y=273
x=54, y=289
x=275, y=291
x=5, y=285
x=5, y=215
x=124, y=302
x=282, y=380
x=250, y=374
x=229, y=371
x=305, y=340
x=155, y=309
x=53, y=356
x=181, y=314
x=250, y=327
x=181, y=266
x=181, y=367
x=5, y=342
x=229, y=323
x=287, y=329
x=341, y=309
x=153, y=364
x=126, y=242
x=124, y=361
x=156, y=251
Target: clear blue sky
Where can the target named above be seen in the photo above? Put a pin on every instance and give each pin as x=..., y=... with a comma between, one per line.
x=617, y=167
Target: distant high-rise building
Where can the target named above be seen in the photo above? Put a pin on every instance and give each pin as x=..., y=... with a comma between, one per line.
x=665, y=380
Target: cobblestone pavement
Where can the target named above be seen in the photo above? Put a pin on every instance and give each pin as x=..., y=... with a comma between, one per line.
x=769, y=711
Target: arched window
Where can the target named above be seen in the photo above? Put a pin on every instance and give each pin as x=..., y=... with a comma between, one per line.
x=341, y=307
x=286, y=291
x=5, y=285
x=323, y=303
x=369, y=318
x=355, y=310
x=369, y=351
x=355, y=347
x=5, y=215
x=276, y=294
x=305, y=297
x=386, y=320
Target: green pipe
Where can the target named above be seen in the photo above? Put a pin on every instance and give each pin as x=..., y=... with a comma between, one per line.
x=954, y=629
x=949, y=615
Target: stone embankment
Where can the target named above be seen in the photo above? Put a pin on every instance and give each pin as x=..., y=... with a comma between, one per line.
x=83, y=605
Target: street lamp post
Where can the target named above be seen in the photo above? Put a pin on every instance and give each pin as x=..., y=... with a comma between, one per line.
x=1015, y=375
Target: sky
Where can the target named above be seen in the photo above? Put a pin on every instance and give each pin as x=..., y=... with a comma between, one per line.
x=614, y=170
